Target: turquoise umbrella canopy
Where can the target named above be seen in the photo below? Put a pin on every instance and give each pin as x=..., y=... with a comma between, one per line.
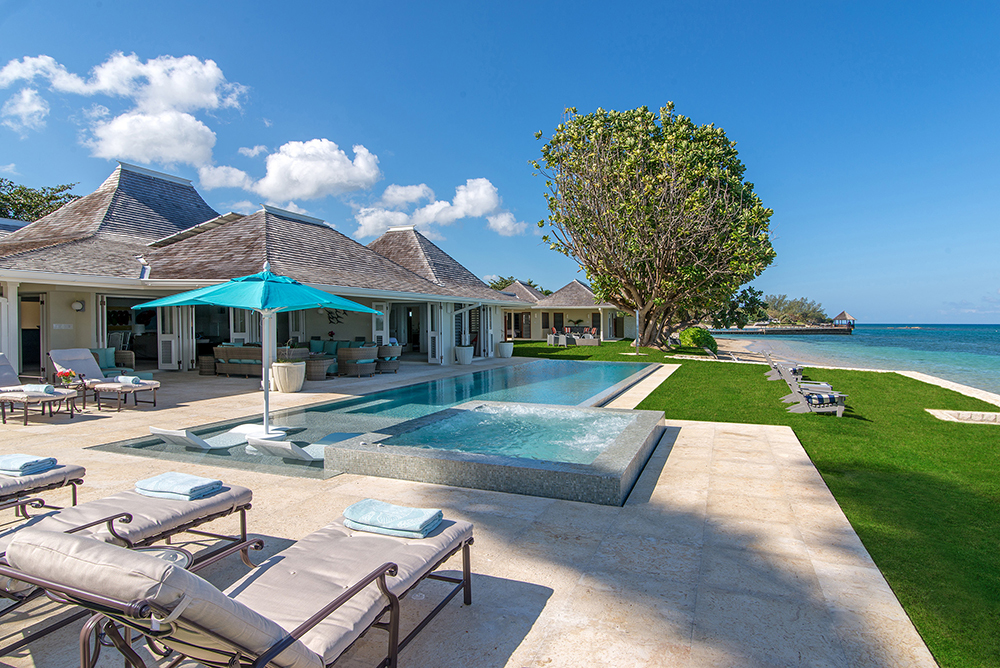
x=263, y=292
x=268, y=294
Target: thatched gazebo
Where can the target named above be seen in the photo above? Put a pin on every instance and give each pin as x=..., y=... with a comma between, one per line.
x=844, y=319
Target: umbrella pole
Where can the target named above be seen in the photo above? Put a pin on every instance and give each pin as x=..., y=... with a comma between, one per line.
x=265, y=345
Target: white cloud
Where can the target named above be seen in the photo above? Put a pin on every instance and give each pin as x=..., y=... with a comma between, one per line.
x=475, y=199
x=164, y=93
x=168, y=137
x=374, y=221
x=506, y=225
x=253, y=152
x=25, y=111
x=267, y=122
x=293, y=207
x=243, y=206
x=316, y=168
x=396, y=197
x=9, y=169
x=489, y=278
x=161, y=84
x=223, y=177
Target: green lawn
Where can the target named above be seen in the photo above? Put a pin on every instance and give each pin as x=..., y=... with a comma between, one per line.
x=923, y=494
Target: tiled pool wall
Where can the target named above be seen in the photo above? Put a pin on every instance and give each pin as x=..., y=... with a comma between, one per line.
x=607, y=481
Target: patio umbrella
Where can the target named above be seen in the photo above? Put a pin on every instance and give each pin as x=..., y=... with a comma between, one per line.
x=266, y=293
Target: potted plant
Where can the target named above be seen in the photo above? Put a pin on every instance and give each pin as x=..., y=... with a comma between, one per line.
x=287, y=374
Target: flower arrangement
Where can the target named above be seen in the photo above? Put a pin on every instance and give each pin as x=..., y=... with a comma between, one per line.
x=330, y=333
x=66, y=377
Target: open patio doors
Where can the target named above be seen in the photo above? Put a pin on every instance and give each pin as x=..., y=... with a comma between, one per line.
x=435, y=321
x=176, y=342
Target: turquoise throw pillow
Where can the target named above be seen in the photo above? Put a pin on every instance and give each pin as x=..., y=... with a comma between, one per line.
x=316, y=346
x=330, y=347
x=365, y=361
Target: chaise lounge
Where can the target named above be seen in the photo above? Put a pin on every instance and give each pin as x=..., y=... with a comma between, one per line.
x=81, y=361
x=303, y=607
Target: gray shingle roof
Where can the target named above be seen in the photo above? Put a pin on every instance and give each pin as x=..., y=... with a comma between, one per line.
x=572, y=295
x=524, y=292
x=415, y=252
x=306, y=251
x=112, y=224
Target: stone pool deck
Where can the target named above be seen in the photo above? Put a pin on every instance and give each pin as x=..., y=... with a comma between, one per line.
x=731, y=551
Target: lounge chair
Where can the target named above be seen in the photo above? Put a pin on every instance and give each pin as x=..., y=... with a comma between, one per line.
x=28, y=397
x=10, y=378
x=13, y=488
x=82, y=362
x=130, y=520
x=185, y=438
x=302, y=607
x=313, y=452
x=821, y=403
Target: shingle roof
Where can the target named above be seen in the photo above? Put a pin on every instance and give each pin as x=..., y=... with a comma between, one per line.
x=304, y=249
x=524, y=292
x=131, y=208
x=572, y=295
x=415, y=252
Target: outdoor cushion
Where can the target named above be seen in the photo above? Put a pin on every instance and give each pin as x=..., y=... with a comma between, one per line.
x=319, y=567
x=330, y=347
x=316, y=346
x=127, y=575
x=105, y=357
x=150, y=516
x=822, y=399
x=365, y=361
x=61, y=473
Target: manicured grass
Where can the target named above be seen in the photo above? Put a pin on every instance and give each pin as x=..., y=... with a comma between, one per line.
x=923, y=494
x=608, y=351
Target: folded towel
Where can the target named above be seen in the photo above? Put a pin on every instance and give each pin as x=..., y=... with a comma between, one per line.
x=44, y=389
x=128, y=380
x=172, y=485
x=390, y=532
x=17, y=465
x=372, y=513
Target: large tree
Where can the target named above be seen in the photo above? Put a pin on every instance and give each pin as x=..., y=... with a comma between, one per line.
x=655, y=210
x=24, y=203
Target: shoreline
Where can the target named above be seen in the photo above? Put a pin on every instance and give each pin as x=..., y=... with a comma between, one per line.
x=750, y=350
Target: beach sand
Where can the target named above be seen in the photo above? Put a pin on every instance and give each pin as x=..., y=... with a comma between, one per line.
x=753, y=349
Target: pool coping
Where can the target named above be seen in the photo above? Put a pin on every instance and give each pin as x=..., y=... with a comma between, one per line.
x=607, y=481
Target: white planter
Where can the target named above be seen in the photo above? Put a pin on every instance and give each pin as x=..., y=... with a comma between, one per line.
x=505, y=348
x=463, y=354
x=288, y=376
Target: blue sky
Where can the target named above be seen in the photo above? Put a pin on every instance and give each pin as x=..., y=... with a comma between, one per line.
x=870, y=129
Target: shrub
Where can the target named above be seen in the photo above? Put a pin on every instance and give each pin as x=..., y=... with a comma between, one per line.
x=696, y=337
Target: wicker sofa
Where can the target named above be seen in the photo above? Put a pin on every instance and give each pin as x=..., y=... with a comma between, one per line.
x=388, y=359
x=246, y=360
x=357, y=361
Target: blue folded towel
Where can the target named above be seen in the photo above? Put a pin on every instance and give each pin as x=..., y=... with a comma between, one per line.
x=182, y=486
x=385, y=518
x=17, y=465
x=128, y=380
x=389, y=532
x=44, y=389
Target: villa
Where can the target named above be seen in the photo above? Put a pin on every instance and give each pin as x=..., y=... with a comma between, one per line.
x=69, y=279
x=573, y=305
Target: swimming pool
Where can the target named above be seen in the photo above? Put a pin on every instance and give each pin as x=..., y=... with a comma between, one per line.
x=552, y=382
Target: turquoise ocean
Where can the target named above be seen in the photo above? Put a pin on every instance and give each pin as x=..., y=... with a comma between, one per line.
x=967, y=354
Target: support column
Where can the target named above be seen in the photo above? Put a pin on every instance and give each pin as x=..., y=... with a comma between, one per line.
x=10, y=324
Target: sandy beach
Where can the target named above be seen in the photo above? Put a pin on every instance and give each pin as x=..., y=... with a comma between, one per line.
x=753, y=349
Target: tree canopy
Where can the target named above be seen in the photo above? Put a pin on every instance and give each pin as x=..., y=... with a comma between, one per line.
x=800, y=311
x=655, y=210
x=24, y=203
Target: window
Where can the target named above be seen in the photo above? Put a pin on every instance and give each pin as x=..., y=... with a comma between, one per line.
x=557, y=321
x=545, y=322
x=595, y=320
